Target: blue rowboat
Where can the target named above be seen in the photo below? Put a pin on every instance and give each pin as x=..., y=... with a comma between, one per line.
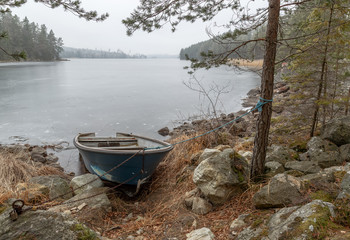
x=126, y=158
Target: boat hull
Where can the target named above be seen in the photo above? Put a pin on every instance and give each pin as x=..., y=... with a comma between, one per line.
x=135, y=166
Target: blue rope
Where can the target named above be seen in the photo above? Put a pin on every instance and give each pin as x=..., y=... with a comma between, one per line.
x=258, y=106
x=261, y=103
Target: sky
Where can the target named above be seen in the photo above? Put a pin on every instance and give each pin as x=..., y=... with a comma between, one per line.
x=111, y=33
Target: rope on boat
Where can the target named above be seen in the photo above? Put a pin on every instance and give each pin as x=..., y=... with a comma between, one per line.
x=258, y=107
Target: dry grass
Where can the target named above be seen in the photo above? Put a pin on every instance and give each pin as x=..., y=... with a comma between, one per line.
x=161, y=207
x=256, y=64
x=17, y=167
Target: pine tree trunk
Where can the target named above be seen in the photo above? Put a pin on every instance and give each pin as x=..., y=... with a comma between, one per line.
x=267, y=81
x=323, y=68
x=335, y=86
x=325, y=88
x=347, y=103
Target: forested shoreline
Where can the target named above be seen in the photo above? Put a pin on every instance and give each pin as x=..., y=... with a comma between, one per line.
x=22, y=39
x=38, y=43
x=69, y=52
x=219, y=44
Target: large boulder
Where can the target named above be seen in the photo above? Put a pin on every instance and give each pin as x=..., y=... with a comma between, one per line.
x=316, y=144
x=319, y=179
x=345, y=152
x=43, y=225
x=221, y=176
x=345, y=187
x=289, y=223
x=58, y=187
x=207, y=153
x=300, y=222
x=324, y=152
x=85, y=182
x=273, y=168
x=279, y=154
x=282, y=190
x=337, y=131
x=303, y=166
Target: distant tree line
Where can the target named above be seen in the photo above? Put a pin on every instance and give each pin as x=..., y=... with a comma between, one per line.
x=88, y=53
x=216, y=45
x=37, y=42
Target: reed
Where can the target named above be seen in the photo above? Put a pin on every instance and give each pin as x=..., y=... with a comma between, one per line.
x=17, y=167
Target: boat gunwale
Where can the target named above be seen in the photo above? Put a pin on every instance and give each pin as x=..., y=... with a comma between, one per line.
x=165, y=148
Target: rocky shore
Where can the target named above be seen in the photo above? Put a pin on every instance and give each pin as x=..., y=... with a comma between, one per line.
x=201, y=191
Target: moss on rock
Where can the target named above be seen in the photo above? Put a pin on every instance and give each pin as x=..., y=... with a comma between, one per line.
x=83, y=232
x=322, y=195
x=2, y=208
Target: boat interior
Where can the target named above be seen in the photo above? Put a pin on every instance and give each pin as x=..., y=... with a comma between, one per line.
x=120, y=142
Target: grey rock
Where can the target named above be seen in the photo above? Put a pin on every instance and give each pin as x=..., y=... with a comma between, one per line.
x=39, y=150
x=254, y=92
x=281, y=191
x=58, y=186
x=239, y=222
x=38, y=158
x=273, y=168
x=81, y=183
x=304, y=157
x=95, y=199
x=279, y=154
x=324, y=152
x=221, y=176
x=192, y=193
x=207, y=153
x=247, y=155
x=345, y=187
x=297, y=223
x=287, y=220
x=250, y=233
x=188, y=202
x=51, y=158
x=189, y=196
x=303, y=166
x=164, y=131
x=337, y=131
x=317, y=144
x=345, y=152
x=326, y=159
x=222, y=147
x=315, y=179
x=43, y=225
x=201, y=206
x=334, y=169
x=200, y=234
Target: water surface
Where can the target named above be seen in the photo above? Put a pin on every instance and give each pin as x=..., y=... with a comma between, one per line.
x=46, y=103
